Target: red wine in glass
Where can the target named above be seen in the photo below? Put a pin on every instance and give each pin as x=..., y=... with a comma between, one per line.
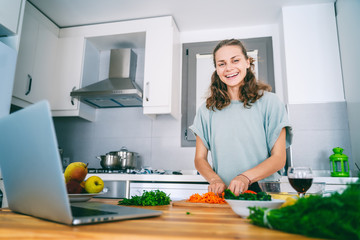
x=300, y=179
x=301, y=185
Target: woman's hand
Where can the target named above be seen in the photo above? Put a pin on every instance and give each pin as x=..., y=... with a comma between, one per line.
x=216, y=186
x=239, y=184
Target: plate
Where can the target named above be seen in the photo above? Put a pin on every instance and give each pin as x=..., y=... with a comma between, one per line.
x=82, y=197
x=240, y=207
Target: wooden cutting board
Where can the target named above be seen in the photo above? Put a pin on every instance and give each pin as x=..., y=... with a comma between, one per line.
x=184, y=203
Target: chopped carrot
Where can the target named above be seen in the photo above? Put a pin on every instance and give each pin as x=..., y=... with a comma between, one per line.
x=209, y=197
x=249, y=191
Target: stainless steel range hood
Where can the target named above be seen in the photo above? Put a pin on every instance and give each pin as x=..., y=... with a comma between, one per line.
x=120, y=89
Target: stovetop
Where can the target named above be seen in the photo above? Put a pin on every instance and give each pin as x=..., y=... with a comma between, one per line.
x=135, y=171
x=101, y=170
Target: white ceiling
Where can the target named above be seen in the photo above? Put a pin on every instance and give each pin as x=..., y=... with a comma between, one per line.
x=190, y=15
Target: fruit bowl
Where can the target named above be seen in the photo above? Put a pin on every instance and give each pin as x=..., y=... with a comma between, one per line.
x=82, y=197
x=241, y=207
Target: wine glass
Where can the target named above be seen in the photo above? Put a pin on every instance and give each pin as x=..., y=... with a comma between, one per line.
x=300, y=179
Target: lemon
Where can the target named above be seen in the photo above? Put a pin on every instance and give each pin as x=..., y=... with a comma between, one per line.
x=288, y=202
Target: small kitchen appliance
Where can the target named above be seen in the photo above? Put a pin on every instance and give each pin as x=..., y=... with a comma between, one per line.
x=339, y=164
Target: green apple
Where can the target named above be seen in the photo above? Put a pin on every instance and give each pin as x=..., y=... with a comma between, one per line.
x=94, y=184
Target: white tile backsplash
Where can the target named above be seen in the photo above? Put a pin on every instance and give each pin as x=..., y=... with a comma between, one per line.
x=317, y=116
x=317, y=129
x=157, y=141
x=314, y=147
x=166, y=152
x=122, y=123
x=166, y=126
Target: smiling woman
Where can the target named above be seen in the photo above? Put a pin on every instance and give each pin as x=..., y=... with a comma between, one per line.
x=245, y=127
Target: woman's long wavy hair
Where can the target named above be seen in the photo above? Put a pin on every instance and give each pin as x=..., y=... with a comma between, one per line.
x=250, y=89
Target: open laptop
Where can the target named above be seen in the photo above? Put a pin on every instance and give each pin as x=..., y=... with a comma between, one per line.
x=32, y=173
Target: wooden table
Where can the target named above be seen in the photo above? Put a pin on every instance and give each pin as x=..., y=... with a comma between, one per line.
x=175, y=223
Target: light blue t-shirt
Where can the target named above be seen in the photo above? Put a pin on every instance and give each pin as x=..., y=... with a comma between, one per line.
x=240, y=138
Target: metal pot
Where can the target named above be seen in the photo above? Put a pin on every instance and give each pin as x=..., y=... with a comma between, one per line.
x=111, y=162
x=128, y=159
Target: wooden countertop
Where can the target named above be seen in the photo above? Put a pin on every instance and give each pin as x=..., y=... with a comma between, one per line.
x=174, y=223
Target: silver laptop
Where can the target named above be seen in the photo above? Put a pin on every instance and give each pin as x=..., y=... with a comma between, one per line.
x=33, y=178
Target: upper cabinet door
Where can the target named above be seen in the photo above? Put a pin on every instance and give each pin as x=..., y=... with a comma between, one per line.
x=34, y=75
x=9, y=17
x=68, y=72
x=162, y=71
x=26, y=58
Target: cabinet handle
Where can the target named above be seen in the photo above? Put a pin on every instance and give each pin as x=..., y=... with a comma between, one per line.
x=147, y=87
x=29, y=85
x=72, y=98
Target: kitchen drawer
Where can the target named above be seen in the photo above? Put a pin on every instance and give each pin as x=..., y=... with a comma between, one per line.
x=177, y=191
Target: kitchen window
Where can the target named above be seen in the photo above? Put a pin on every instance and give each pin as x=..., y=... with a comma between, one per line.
x=198, y=67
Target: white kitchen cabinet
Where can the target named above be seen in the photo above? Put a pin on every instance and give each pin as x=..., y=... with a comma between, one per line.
x=48, y=67
x=10, y=11
x=161, y=88
x=36, y=59
x=162, y=71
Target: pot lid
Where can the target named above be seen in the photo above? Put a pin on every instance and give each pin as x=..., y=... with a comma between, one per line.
x=122, y=151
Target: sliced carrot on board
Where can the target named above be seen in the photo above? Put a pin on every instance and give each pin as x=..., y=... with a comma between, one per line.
x=208, y=197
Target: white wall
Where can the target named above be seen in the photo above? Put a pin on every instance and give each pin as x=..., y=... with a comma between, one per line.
x=313, y=70
x=348, y=20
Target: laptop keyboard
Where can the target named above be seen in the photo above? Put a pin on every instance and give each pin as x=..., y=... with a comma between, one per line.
x=86, y=212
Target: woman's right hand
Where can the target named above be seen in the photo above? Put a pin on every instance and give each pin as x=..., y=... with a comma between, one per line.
x=216, y=186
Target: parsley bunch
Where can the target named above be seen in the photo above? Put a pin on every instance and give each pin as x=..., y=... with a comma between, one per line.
x=148, y=198
x=336, y=216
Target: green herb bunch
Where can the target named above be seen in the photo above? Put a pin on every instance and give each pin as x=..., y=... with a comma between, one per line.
x=336, y=216
x=148, y=198
x=260, y=196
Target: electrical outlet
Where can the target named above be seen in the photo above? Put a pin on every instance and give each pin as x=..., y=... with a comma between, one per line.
x=65, y=161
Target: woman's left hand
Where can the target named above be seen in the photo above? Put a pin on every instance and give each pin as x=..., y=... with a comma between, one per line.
x=239, y=184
